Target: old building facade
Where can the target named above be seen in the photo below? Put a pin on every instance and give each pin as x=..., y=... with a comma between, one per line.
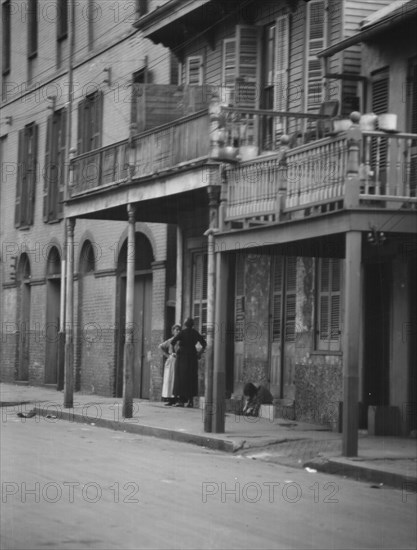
x=291, y=225
x=68, y=70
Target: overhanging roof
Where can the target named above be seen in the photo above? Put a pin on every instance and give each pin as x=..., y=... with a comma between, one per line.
x=395, y=13
x=166, y=14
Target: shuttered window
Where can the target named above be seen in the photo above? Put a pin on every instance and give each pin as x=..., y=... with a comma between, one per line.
x=26, y=175
x=6, y=36
x=380, y=91
x=194, y=68
x=229, y=63
x=380, y=103
x=247, y=65
x=316, y=41
x=277, y=291
x=90, y=115
x=284, y=292
x=411, y=99
x=328, y=304
x=32, y=19
x=281, y=63
x=239, y=331
x=62, y=19
x=199, y=292
x=54, y=170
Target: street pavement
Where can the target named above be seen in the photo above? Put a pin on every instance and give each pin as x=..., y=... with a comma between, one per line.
x=72, y=485
x=381, y=460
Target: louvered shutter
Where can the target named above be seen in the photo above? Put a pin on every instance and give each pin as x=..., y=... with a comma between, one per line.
x=329, y=298
x=240, y=298
x=277, y=288
x=290, y=298
x=194, y=76
x=61, y=163
x=380, y=102
x=324, y=286
x=412, y=120
x=412, y=96
x=316, y=41
x=31, y=180
x=199, y=292
x=380, y=91
x=19, y=179
x=229, y=62
x=282, y=37
x=96, y=107
x=80, y=127
x=54, y=168
x=281, y=63
x=47, y=169
x=247, y=66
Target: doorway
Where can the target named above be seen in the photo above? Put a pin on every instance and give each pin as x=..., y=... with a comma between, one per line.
x=142, y=317
x=377, y=296
x=23, y=318
x=282, y=326
x=53, y=301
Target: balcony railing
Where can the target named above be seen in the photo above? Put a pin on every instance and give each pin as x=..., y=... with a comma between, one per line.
x=171, y=145
x=259, y=130
x=184, y=140
x=99, y=168
x=353, y=169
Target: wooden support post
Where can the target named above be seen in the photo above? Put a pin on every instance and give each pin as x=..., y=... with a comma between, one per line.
x=128, y=356
x=219, y=382
x=351, y=343
x=214, y=197
x=179, y=277
x=69, y=320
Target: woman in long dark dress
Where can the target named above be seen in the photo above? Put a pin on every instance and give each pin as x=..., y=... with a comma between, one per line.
x=186, y=367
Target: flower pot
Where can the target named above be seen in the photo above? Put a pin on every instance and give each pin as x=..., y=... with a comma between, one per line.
x=387, y=122
x=368, y=122
x=342, y=125
x=248, y=152
x=228, y=152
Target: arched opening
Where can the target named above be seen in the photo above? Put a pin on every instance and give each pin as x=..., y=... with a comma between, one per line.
x=142, y=316
x=86, y=268
x=53, y=301
x=23, y=318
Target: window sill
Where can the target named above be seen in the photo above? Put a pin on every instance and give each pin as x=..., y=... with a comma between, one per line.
x=6, y=71
x=62, y=37
x=32, y=55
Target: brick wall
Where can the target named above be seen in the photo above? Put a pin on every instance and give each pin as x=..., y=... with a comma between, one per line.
x=117, y=45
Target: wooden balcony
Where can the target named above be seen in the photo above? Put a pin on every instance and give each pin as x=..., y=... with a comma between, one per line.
x=351, y=170
x=174, y=145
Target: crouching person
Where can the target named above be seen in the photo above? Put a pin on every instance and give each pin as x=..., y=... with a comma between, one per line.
x=255, y=397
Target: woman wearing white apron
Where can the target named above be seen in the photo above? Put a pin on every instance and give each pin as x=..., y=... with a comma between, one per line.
x=169, y=368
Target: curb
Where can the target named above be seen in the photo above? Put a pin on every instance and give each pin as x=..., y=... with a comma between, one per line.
x=216, y=444
x=363, y=473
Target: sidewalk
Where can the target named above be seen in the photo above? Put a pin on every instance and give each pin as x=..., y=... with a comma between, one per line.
x=381, y=460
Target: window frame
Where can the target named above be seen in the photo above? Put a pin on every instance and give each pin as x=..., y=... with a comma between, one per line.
x=311, y=56
x=90, y=117
x=199, y=303
x=62, y=20
x=26, y=176
x=55, y=156
x=32, y=25
x=328, y=344
x=7, y=34
x=189, y=60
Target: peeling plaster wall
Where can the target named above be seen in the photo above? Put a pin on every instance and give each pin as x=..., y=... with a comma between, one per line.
x=317, y=376
x=256, y=365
